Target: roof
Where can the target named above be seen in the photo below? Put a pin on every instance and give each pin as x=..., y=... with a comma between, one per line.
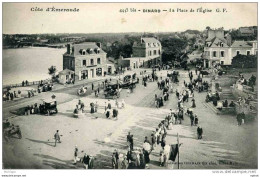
x=215, y=42
x=66, y=72
x=241, y=44
x=86, y=46
x=149, y=40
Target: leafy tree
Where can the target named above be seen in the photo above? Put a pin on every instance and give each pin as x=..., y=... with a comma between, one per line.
x=244, y=61
x=173, y=49
x=52, y=71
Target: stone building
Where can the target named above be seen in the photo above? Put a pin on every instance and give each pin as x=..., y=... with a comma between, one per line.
x=146, y=53
x=220, y=49
x=87, y=60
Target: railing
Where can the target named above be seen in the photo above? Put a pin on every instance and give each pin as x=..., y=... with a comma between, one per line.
x=29, y=84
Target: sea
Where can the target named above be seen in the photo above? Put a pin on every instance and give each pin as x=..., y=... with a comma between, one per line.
x=30, y=63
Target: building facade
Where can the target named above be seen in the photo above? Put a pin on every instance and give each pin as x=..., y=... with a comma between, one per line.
x=87, y=60
x=220, y=49
x=146, y=53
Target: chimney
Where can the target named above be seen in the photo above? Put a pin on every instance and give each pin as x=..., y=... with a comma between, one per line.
x=99, y=44
x=68, y=49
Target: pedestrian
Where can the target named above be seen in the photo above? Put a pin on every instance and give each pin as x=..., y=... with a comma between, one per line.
x=163, y=142
x=115, y=157
x=57, y=137
x=76, y=155
x=196, y=122
x=96, y=106
x=92, y=86
x=153, y=140
x=85, y=161
x=109, y=105
x=199, y=132
x=147, y=141
x=193, y=103
x=191, y=119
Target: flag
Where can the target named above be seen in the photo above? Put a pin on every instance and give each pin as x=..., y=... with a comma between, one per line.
x=173, y=152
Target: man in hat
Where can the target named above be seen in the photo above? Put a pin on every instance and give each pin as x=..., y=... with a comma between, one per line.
x=57, y=137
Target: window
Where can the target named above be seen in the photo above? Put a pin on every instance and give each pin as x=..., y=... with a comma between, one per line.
x=83, y=52
x=84, y=63
x=238, y=52
x=221, y=44
x=222, y=62
x=159, y=52
x=91, y=61
x=154, y=52
x=222, y=54
x=98, y=61
x=248, y=52
x=150, y=53
x=214, y=54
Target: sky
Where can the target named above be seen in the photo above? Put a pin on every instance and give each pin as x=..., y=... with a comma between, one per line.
x=18, y=18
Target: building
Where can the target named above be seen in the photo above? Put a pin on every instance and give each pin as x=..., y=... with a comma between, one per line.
x=220, y=49
x=87, y=60
x=146, y=52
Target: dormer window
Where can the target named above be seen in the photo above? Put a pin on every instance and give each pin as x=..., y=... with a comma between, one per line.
x=221, y=44
x=98, y=50
x=83, y=52
x=90, y=51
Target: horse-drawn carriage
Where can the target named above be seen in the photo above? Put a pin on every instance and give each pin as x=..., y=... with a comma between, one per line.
x=112, y=90
x=49, y=107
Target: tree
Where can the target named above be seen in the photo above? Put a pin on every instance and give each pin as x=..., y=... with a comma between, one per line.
x=173, y=49
x=52, y=71
x=244, y=61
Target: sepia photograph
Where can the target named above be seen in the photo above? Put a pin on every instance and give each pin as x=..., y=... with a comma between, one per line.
x=148, y=86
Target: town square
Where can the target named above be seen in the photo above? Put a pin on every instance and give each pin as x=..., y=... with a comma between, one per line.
x=148, y=100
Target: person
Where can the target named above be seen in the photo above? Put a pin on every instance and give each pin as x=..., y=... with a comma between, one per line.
x=163, y=142
x=153, y=141
x=191, y=119
x=146, y=157
x=196, y=120
x=57, y=137
x=109, y=105
x=123, y=103
x=193, y=103
x=232, y=104
x=147, y=141
x=92, y=109
x=115, y=113
x=92, y=86
x=116, y=103
x=199, y=132
x=131, y=141
x=124, y=163
x=108, y=114
x=96, y=106
x=115, y=157
x=76, y=155
x=225, y=104
x=85, y=161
